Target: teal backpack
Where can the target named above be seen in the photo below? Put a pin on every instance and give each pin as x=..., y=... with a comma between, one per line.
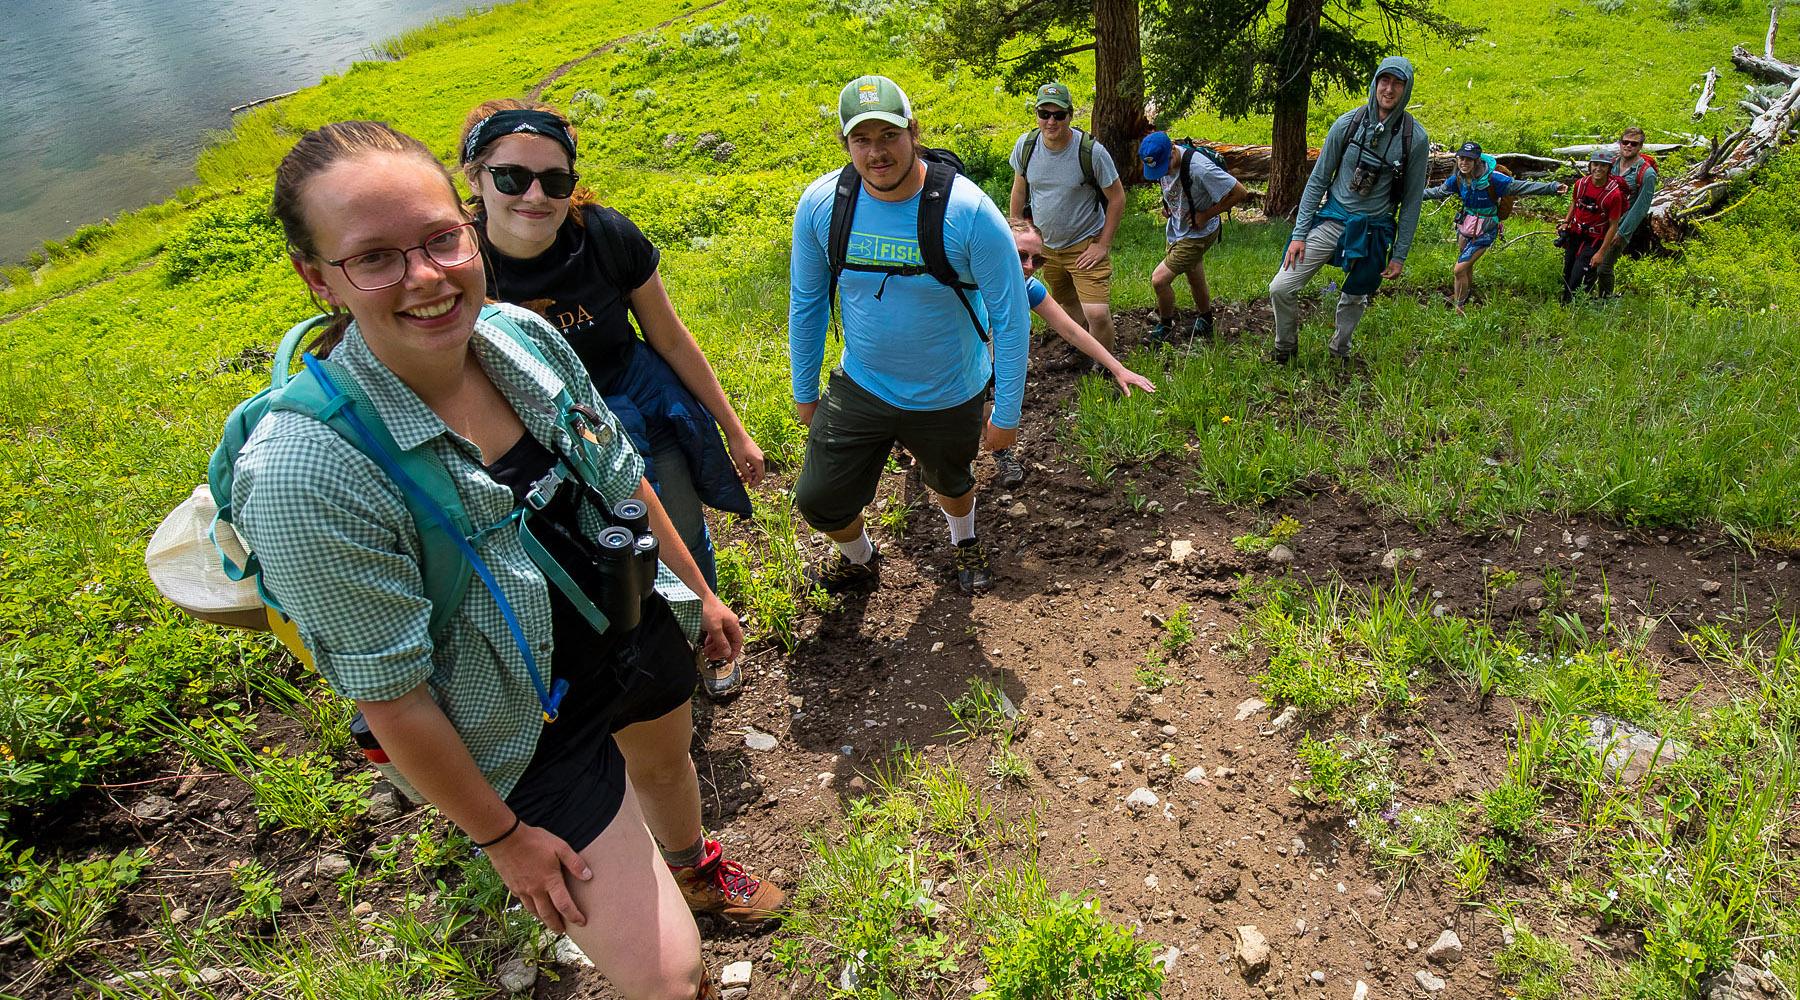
x=326, y=391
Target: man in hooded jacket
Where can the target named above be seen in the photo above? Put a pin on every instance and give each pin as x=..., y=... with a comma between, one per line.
x=1359, y=210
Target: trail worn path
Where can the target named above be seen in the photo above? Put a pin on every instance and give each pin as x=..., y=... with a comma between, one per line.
x=558, y=73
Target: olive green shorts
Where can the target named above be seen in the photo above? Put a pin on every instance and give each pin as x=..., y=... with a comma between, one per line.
x=853, y=432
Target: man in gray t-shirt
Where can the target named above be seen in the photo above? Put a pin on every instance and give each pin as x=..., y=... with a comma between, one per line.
x=1196, y=193
x=1076, y=213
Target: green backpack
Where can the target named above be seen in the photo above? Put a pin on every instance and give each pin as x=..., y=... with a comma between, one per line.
x=326, y=391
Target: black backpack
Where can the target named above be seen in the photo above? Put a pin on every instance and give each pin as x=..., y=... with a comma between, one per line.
x=1190, y=147
x=1084, y=153
x=941, y=168
x=1406, y=135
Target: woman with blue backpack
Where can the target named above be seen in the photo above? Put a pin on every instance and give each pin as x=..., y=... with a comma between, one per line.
x=503, y=712
x=550, y=246
x=1485, y=194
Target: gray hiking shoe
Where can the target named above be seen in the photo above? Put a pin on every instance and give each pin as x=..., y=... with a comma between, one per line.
x=1009, y=471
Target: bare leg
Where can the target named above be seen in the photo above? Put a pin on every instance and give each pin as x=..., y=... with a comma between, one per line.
x=849, y=533
x=639, y=932
x=1202, y=294
x=661, y=769
x=1099, y=322
x=1162, y=282
x=957, y=506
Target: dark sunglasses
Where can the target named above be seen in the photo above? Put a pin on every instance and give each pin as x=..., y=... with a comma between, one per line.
x=1034, y=259
x=1052, y=116
x=510, y=178
x=1631, y=142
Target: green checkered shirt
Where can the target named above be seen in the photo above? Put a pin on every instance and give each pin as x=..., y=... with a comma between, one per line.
x=340, y=552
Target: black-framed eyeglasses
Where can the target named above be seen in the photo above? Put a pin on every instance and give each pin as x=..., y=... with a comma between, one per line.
x=1631, y=142
x=373, y=270
x=1053, y=115
x=1034, y=259
x=510, y=178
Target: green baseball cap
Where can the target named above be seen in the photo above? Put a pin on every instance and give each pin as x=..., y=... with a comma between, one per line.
x=1054, y=93
x=876, y=97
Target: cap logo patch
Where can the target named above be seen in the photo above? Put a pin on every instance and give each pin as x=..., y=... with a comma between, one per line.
x=868, y=93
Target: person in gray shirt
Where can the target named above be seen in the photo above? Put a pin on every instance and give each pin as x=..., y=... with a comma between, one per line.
x=1359, y=210
x=1067, y=183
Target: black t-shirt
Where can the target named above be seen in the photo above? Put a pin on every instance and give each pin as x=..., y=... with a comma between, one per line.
x=582, y=285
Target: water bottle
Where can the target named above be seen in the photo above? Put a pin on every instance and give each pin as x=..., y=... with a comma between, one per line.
x=378, y=758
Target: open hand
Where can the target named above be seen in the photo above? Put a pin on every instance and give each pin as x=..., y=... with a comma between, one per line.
x=1092, y=256
x=1296, y=254
x=1128, y=378
x=1392, y=271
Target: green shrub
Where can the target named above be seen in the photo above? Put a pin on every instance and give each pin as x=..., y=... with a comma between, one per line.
x=1068, y=950
x=227, y=238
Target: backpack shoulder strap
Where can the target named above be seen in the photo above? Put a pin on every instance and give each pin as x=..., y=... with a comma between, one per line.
x=837, y=240
x=1350, y=137
x=346, y=408
x=1085, y=153
x=934, y=204
x=1031, y=145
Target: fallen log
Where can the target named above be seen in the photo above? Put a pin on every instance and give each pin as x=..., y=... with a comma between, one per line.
x=1704, y=105
x=1653, y=148
x=1250, y=164
x=1765, y=68
x=1700, y=191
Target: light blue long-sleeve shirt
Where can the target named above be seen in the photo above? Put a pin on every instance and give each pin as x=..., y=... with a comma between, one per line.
x=915, y=346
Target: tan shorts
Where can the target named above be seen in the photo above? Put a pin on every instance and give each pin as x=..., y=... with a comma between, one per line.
x=1091, y=285
x=1184, y=255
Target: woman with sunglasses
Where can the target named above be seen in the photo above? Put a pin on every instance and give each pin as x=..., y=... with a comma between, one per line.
x=552, y=248
x=377, y=232
x=1011, y=471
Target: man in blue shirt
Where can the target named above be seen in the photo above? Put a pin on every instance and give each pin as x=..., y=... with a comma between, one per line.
x=915, y=369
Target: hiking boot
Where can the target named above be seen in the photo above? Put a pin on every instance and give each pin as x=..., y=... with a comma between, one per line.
x=721, y=886
x=1280, y=356
x=1203, y=326
x=972, y=573
x=1009, y=471
x=838, y=575
x=721, y=687
x=1160, y=333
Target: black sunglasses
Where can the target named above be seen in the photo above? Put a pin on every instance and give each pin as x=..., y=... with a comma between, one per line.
x=1052, y=116
x=510, y=178
x=1035, y=259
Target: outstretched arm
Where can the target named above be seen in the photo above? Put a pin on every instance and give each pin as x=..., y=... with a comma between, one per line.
x=1083, y=341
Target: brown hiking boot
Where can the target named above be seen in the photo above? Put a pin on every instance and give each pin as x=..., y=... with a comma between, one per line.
x=721, y=886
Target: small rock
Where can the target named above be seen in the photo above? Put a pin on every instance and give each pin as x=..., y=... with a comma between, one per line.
x=1393, y=558
x=1169, y=730
x=331, y=866
x=1740, y=982
x=1318, y=977
x=517, y=975
x=1711, y=586
x=1007, y=708
x=1141, y=800
x=1630, y=750
x=1252, y=951
x=937, y=647
x=385, y=805
x=735, y=993
x=1440, y=610
x=1179, y=550
x=1249, y=707
x=1285, y=719
x=1196, y=775
x=1281, y=555
x=1429, y=982
x=179, y=915
x=154, y=808
x=1581, y=541
x=735, y=974
x=1167, y=959
x=1361, y=992
x=363, y=909
x=209, y=976
x=568, y=952
x=1017, y=510
x=756, y=739
x=1446, y=950
x=796, y=702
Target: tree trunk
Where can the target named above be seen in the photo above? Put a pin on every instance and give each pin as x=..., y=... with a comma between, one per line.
x=1293, y=95
x=1119, y=120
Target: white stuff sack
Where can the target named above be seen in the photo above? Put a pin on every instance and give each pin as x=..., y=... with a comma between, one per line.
x=184, y=565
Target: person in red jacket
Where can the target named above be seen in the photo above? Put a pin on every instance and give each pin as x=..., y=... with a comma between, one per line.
x=1590, y=228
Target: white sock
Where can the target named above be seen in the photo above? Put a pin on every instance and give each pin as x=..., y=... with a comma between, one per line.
x=961, y=528
x=858, y=550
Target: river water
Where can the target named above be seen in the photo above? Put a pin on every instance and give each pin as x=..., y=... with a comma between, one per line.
x=105, y=103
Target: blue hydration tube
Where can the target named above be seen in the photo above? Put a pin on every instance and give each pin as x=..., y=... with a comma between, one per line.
x=549, y=699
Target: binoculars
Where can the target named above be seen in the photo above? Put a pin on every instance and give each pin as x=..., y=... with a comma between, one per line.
x=627, y=554
x=1364, y=178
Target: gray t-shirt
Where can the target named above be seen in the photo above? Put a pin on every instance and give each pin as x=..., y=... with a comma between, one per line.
x=1065, y=207
x=1210, y=183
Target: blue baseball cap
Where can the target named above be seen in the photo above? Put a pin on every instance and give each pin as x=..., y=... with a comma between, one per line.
x=1155, y=151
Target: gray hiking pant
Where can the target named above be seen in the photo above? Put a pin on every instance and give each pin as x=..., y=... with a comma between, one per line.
x=1285, y=289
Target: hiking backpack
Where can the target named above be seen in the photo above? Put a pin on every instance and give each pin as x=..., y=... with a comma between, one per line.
x=1357, y=118
x=1187, y=181
x=1084, y=153
x=941, y=168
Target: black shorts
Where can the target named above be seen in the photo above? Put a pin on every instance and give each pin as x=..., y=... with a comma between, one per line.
x=852, y=433
x=576, y=779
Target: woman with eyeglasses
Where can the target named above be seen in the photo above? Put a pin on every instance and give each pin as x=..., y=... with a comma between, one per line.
x=499, y=402
x=552, y=248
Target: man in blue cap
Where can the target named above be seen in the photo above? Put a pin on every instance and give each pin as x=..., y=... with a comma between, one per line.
x=1196, y=192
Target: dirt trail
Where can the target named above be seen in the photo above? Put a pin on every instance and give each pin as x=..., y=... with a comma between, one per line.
x=605, y=47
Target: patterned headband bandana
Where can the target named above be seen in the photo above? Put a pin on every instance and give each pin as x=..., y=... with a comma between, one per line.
x=501, y=124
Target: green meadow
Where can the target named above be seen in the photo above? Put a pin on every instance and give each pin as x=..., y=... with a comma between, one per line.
x=123, y=346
